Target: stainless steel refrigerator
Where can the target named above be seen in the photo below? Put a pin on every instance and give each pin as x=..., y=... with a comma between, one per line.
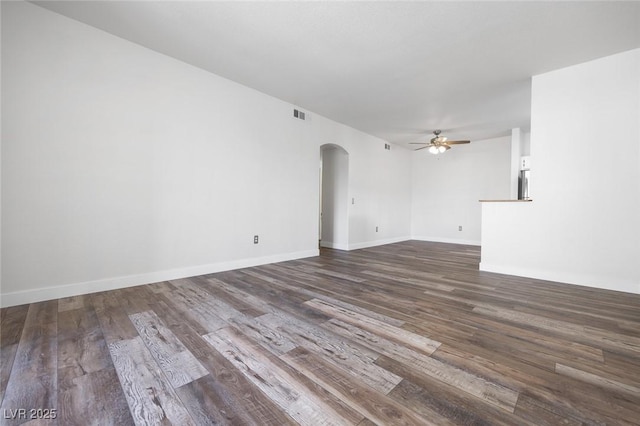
x=523, y=185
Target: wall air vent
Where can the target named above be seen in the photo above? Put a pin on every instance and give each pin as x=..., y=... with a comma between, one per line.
x=298, y=114
x=387, y=146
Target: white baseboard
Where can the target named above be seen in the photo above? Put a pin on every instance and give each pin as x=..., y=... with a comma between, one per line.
x=606, y=283
x=375, y=243
x=75, y=289
x=448, y=240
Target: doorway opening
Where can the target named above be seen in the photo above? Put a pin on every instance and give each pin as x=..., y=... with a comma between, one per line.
x=334, y=197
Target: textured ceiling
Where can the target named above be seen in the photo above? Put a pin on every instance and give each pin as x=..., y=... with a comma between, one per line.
x=397, y=70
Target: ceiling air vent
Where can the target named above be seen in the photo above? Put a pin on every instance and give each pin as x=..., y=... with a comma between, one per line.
x=298, y=114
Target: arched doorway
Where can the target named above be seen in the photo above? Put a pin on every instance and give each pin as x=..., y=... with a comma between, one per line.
x=334, y=197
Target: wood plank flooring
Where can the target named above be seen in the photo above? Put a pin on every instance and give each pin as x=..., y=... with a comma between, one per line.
x=409, y=334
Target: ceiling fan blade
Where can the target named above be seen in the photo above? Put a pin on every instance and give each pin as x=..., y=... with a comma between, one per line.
x=422, y=148
x=456, y=142
x=418, y=143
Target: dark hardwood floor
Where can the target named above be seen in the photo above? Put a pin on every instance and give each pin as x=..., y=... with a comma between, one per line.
x=408, y=333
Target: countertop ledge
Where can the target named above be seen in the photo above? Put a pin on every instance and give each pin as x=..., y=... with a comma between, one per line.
x=505, y=201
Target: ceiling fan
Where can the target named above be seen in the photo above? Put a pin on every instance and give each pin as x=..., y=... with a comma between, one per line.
x=438, y=144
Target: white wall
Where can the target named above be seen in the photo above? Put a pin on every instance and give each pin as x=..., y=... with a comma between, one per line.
x=380, y=186
x=122, y=166
x=335, y=207
x=1, y=158
x=583, y=226
x=447, y=187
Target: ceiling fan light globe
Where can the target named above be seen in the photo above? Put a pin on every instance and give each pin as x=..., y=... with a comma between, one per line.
x=441, y=148
x=433, y=149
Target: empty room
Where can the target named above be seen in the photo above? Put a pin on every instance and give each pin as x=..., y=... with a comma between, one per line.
x=320, y=213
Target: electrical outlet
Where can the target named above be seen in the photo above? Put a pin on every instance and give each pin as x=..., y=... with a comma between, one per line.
x=255, y=239
x=376, y=229
x=460, y=228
